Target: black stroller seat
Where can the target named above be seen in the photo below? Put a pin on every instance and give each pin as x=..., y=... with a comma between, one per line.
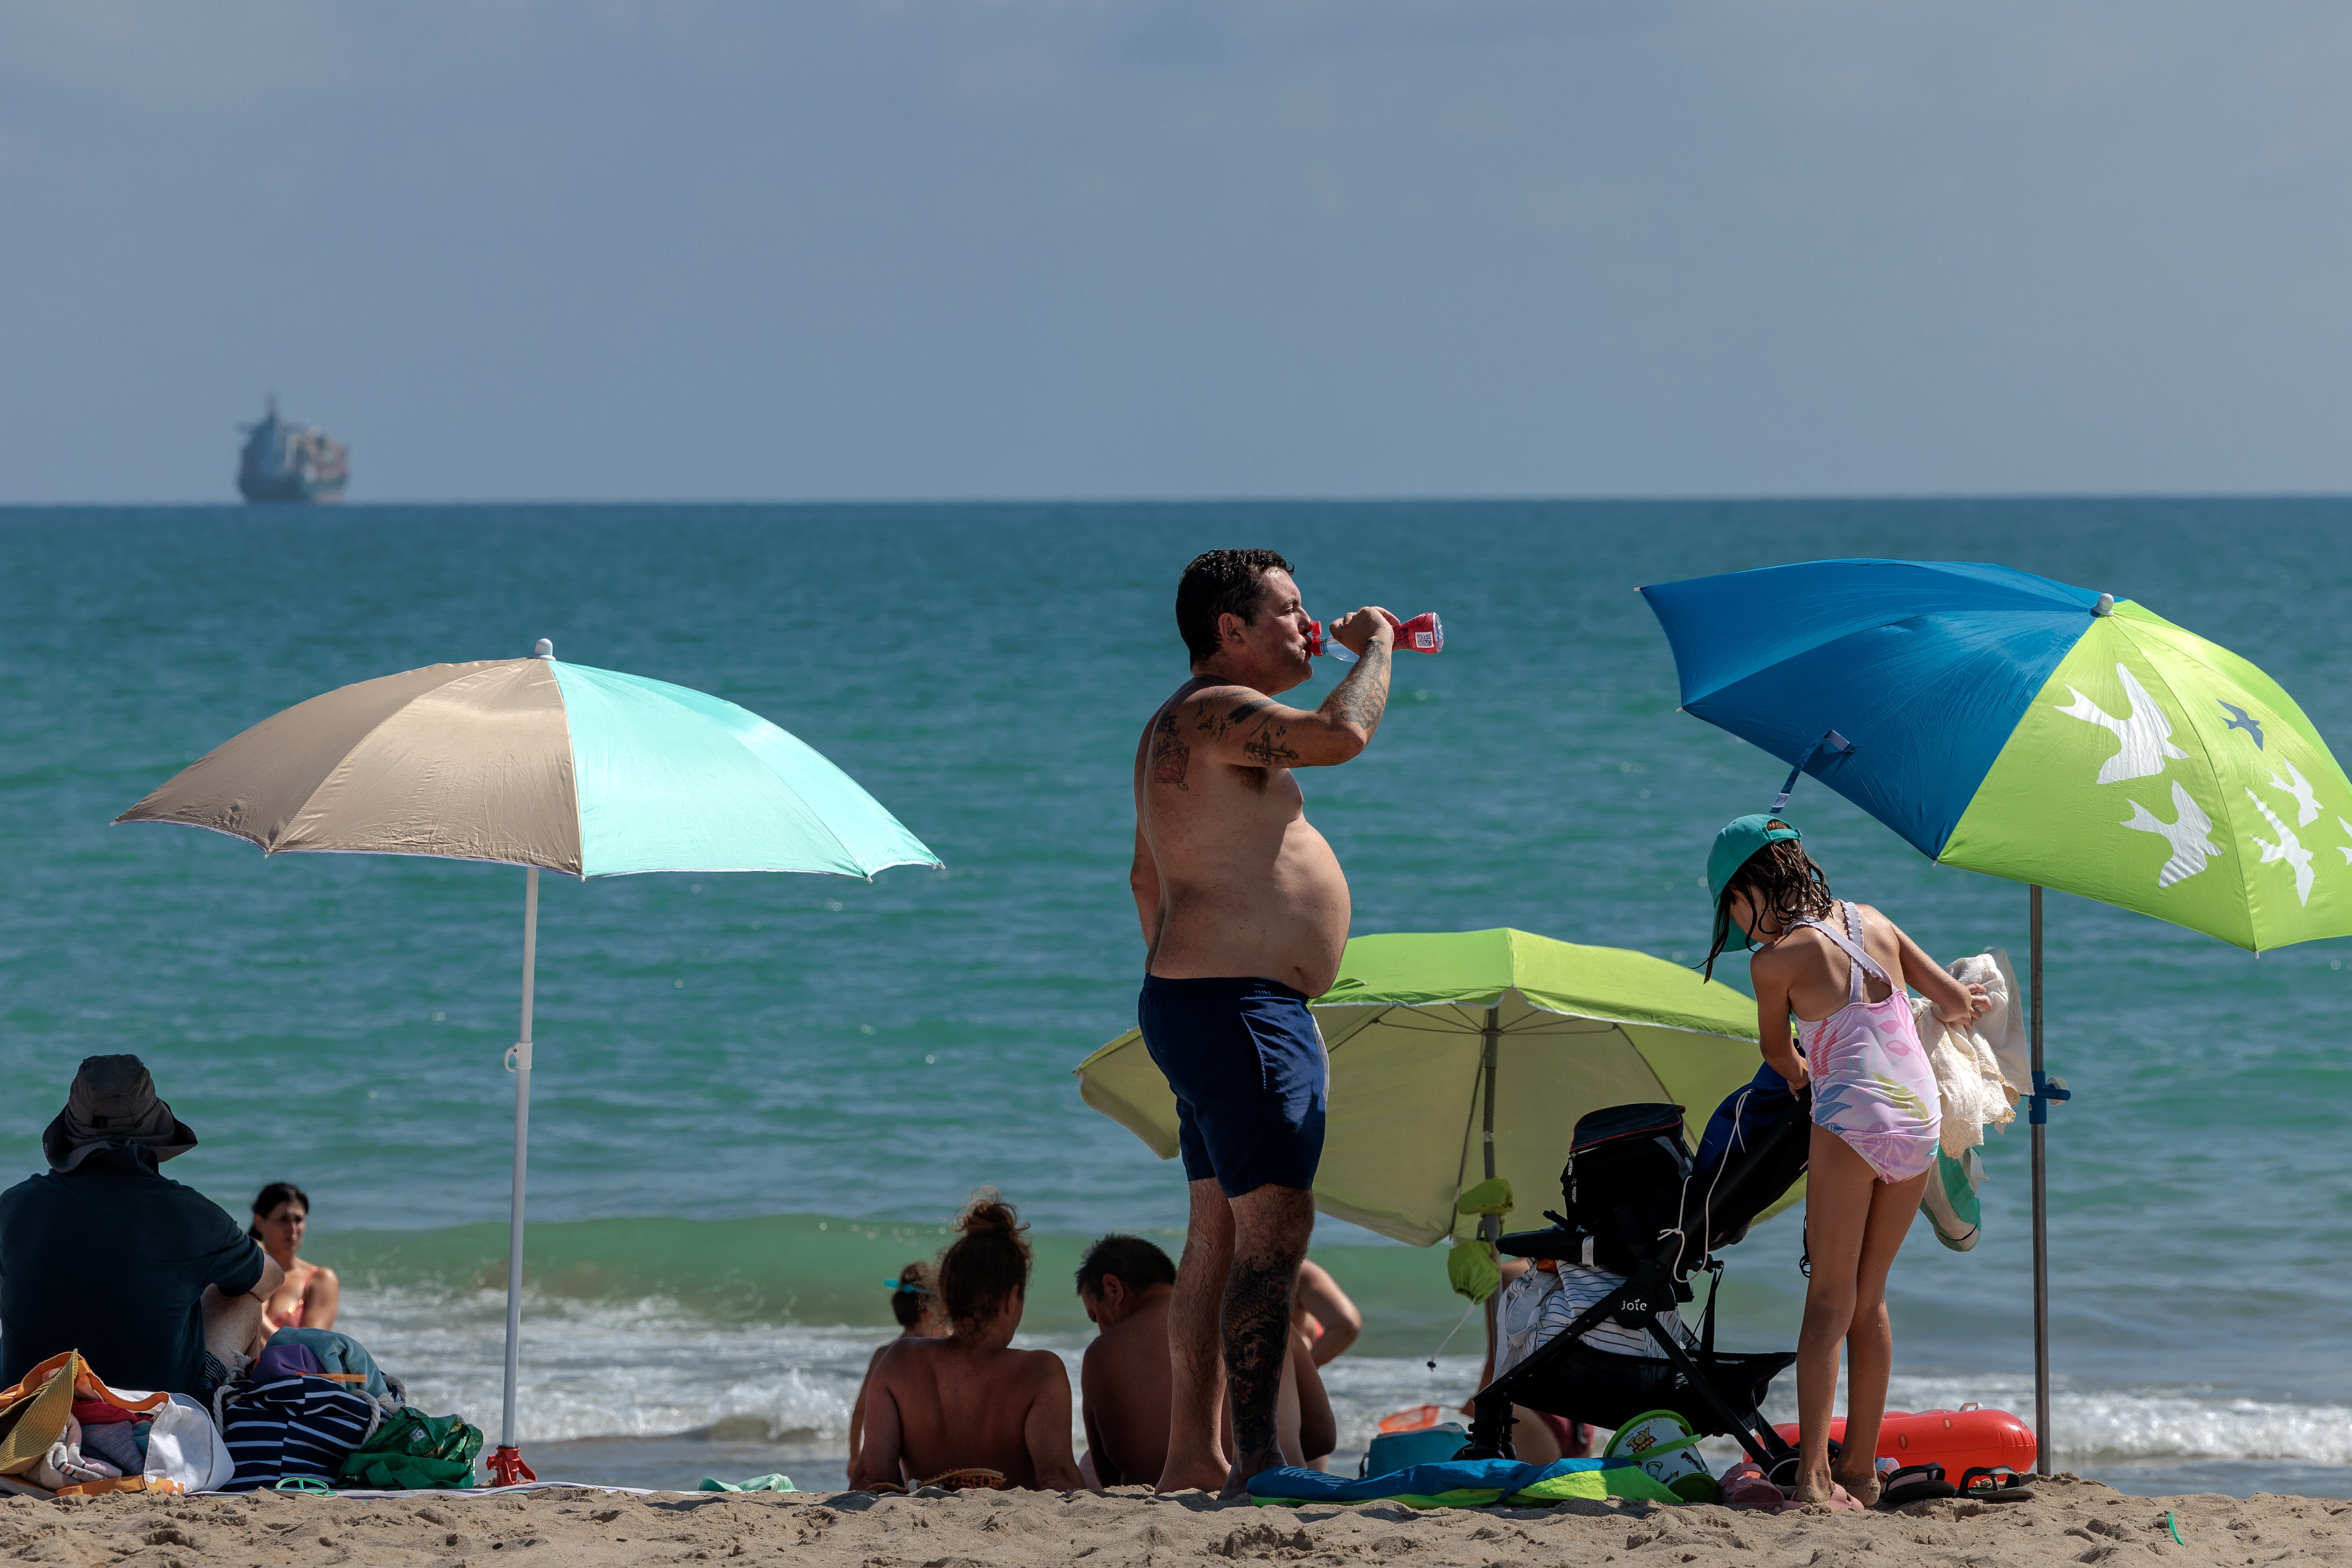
x=1638, y=1208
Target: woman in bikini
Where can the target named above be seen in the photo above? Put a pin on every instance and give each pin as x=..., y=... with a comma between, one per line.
x=1830, y=964
x=311, y=1292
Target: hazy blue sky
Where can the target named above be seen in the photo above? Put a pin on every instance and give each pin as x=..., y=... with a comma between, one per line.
x=1028, y=247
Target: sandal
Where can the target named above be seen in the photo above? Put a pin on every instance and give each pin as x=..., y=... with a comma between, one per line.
x=1995, y=1483
x=1915, y=1483
x=973, y=1479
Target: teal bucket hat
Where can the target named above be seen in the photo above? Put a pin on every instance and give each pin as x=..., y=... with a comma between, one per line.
x=1742, y=839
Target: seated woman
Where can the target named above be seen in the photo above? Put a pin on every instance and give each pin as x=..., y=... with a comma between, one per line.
x=309, y=1298
x=970, y=1401
x=915, y=1302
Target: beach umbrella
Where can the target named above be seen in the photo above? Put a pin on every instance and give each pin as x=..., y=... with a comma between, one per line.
x=1460, y=1055
x=531, y=762
x=2050, y=734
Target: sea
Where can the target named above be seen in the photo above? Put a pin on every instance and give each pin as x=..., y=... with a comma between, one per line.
x=757, y=1096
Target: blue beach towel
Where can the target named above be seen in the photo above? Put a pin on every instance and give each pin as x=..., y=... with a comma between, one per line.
x=1464, y=1483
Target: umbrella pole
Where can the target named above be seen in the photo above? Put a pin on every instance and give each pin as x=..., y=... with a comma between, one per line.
x=1490, y=1227
x=2040, y=1211
x=506, y=1464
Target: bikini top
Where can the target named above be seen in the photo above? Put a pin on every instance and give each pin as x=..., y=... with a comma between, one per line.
x=1851, y=943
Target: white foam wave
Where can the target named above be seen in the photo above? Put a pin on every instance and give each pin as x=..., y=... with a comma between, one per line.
x=652, y=1368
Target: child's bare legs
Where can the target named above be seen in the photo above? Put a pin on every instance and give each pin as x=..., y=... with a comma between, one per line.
x=1854, y=1225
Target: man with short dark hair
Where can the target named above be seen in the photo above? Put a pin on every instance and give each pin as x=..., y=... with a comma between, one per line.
x=1244, y=914
x=150, y=1280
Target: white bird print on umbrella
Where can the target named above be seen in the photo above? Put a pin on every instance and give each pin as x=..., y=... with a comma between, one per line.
x=2288, y=849
x=2344, y=849
x=2186, y=832
x=2146, y=735
x=2307, y=803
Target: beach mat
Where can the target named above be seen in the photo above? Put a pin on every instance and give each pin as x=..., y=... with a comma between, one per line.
x=1466, y=1483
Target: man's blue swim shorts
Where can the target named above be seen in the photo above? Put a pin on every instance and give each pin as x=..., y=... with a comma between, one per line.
x=1251, y=1078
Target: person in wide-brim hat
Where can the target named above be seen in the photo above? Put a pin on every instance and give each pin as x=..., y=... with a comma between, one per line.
x=113, y=1101
x=150, y=1280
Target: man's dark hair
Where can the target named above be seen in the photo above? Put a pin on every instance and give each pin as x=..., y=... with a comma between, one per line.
x=1222, y=582
x=1130, y=1260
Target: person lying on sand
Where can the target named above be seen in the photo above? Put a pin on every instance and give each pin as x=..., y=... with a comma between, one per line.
x=310, y=1294
x=1124, y=1284
x=915, y=1302
x=970, y=1401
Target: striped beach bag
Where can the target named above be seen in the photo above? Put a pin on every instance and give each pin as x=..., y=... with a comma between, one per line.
x=302, y=1426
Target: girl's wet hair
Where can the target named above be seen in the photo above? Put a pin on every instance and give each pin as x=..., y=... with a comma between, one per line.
x=918, y=1286
x=987, y=1263
x=1779, y=878
x=266, y=1204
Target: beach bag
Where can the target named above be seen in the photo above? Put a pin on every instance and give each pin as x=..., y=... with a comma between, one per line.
x=33, y=1414
x=184, y=1447
x=1393, y=1451
x=1950, y=1200
x=415, y=1452
x=304, y=1425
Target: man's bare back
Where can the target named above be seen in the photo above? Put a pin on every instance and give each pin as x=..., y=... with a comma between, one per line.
x=936, y=1405
x=1124, y=1380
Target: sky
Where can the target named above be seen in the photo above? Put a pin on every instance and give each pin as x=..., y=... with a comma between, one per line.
x=874, y=249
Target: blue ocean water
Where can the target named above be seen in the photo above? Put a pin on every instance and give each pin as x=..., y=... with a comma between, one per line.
x=757, y=1094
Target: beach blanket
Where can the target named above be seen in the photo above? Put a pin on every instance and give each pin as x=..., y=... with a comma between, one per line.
x=1464, y=1483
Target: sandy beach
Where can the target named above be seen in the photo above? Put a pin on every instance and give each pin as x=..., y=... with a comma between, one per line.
x=2072, y=1521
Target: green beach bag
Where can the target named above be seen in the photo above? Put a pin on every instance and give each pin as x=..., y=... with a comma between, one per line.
x=415, y=1452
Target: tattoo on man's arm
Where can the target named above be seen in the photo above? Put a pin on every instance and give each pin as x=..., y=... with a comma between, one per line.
x=1219, y=725
x=1268, y=749
x=1170, y=756
x=1364, y=697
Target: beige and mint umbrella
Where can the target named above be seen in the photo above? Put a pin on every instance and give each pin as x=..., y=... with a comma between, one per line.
x=531, y=762
x=1461, y=1055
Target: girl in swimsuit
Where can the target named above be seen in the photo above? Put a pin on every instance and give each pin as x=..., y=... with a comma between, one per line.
x=311, y=1292
x=1830, y=964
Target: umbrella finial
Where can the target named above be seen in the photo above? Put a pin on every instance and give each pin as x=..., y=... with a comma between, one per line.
x=2106, y=607
x=546, y=649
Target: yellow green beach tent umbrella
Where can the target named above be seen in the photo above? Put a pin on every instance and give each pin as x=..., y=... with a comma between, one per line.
x=1460, y=1055
x=531, y=762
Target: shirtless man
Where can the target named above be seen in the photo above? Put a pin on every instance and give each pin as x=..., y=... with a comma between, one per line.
x=970, y=1401
x=1244, y=914
x=1124, y=1284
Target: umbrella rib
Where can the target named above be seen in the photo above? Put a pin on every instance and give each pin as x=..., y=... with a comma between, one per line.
x=344, y=761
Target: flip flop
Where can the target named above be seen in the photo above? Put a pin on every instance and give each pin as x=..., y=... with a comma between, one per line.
x=1914, y=1483
x=1995, y=1483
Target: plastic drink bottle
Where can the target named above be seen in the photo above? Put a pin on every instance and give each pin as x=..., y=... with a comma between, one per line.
x=1423, y=634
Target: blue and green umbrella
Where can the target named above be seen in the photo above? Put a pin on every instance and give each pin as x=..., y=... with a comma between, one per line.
x=529, y=763
x=2028, y=728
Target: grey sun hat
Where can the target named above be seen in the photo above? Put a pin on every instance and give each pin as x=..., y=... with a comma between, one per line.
x=113, y=1101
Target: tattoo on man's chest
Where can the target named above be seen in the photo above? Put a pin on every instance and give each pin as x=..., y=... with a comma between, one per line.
x=1171, y=757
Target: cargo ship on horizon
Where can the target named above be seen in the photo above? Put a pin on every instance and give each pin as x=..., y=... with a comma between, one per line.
x=287, y=462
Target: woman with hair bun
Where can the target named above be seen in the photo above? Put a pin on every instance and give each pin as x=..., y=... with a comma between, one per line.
x=969, y=1409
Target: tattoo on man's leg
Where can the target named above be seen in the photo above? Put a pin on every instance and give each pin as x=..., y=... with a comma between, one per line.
x=1257, y=1334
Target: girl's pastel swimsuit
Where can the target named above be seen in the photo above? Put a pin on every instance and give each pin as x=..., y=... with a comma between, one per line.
x=1872, y=1084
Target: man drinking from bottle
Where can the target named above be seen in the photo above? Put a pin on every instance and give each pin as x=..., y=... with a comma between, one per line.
x=1244, y=915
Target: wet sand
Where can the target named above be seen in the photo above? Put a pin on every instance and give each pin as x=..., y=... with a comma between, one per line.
x=2072, y=1521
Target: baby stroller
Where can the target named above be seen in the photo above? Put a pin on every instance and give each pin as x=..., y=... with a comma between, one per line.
x=1638, y=1206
